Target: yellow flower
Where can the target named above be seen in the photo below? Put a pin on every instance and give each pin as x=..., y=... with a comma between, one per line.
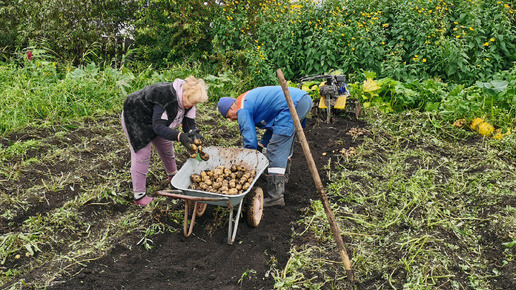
x=492, y=39
x=486, y=44
x=423, y=60
x=385, y=25
x=455, y=22
x=487, y=58
x=471, y=28
x=457, y=36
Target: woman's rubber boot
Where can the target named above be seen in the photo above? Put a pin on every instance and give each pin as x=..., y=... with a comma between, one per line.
x=275, y=189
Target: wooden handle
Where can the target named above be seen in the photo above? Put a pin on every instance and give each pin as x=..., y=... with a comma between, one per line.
x=317, y=179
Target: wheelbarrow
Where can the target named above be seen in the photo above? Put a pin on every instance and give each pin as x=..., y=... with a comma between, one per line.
x=253, y=197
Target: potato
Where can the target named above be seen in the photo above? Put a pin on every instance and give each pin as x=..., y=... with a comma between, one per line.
x=193, y=155
x=234, y=167
x=205, y=156
x=193, y=147
x=233, y=191
x=239, y=174
x=217, y=185
x=197, y=141
x=195, y=178
x=241, y=168
x=246, y=186
x=203, y=186
x=227, y=172
x=232, y=183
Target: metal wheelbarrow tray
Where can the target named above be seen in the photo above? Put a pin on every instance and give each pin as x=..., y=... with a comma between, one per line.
x=225, y=156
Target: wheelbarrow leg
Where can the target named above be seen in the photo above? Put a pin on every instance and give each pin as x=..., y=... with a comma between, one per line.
x=187, y=232
x=232, y=231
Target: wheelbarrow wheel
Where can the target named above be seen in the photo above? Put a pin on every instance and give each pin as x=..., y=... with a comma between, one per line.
x=254, y=207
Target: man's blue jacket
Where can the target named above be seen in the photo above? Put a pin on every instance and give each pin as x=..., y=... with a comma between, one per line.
x=265, y=108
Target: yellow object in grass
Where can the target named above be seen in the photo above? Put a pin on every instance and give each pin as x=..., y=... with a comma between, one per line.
x=485, y=129
x=475, y=123
x=340, y=103
x=322, y=103
x=499, y=135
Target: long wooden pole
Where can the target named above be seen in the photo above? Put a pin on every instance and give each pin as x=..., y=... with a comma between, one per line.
x=317, y=179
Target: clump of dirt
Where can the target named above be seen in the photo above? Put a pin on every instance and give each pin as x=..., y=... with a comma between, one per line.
x=203, y=260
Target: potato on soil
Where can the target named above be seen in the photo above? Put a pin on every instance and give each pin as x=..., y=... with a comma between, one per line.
x=197, y=141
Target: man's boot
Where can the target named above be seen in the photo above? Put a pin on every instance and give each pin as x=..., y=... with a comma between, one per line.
x=275, y=189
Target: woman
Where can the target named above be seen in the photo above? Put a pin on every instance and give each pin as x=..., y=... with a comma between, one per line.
x=152, y=115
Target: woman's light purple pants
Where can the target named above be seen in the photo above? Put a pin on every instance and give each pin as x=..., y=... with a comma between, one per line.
x=140, y=160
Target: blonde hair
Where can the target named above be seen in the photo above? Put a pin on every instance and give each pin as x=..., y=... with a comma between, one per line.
x=195, y=90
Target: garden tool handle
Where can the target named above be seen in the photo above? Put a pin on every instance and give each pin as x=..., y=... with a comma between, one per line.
x=317, y=179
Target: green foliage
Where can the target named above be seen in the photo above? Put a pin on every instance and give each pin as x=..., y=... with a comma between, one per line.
x=43, y=91
x=458, y=42
x=69, y=29
x=171, y=31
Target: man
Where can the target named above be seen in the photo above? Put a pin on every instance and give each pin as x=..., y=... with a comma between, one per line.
x=267, y=108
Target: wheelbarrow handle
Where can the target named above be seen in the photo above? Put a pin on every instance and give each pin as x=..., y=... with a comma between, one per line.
x=178, y=194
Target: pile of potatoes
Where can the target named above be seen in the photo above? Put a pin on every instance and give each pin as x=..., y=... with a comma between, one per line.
x=229, y=181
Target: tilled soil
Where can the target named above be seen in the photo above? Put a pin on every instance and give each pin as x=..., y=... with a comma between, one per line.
x=203, y=260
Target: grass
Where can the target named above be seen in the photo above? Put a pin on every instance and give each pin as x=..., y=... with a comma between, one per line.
x=421, y=205
x=419, y=208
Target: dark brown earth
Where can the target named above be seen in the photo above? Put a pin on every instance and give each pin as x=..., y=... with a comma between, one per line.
x=204, y=260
